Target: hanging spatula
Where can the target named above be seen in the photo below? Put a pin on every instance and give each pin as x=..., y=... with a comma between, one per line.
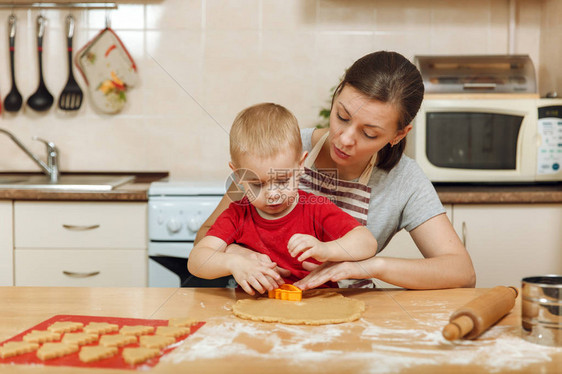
x=71, y=96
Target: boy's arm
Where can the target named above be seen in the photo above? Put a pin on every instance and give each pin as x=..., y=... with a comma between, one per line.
x=358, y=244
x=209, y=260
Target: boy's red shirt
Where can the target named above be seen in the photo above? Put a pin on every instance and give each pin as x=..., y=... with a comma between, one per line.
x=314, y=215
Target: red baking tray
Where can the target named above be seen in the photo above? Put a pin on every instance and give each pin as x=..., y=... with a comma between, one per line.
x=115, y=362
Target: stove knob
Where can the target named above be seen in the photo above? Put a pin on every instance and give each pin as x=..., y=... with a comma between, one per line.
x=194, y=223
x=173, y=226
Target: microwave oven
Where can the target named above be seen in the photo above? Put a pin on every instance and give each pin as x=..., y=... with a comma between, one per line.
x=488, y=140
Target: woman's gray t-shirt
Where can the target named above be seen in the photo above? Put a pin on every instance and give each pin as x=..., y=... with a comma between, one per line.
x=402, y=198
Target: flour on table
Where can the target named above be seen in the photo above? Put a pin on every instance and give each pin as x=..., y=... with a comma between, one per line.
x=380, y=348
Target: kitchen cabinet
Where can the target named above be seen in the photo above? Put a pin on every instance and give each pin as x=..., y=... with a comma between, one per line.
x=88, y=244
x=505, y=241
x=509, y=242
x=6, y=244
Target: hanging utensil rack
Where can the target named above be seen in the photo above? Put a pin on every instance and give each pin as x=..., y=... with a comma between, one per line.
x=55, y=5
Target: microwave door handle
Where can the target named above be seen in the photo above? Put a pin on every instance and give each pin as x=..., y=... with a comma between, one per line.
x=479, y=86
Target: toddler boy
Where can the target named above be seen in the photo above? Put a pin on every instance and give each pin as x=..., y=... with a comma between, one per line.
x=274, y=217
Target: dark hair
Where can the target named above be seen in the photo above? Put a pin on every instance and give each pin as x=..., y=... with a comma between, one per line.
x=388, y=77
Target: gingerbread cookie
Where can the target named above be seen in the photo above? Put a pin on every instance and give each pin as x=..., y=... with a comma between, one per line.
x=117, y=340
x=182, y=322
x=41, y=336
x=49, y=351
x=136, y=330
x=156, y=341
x=138, y=355
x=100, y=328
x=96, y=353
x=80, y=338
x=61, y=327
x=174, y=331
x=11, y=349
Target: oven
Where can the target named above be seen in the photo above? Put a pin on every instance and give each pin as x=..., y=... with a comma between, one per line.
x=176, y=211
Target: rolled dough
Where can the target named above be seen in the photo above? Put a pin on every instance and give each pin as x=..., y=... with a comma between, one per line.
x=315, y=309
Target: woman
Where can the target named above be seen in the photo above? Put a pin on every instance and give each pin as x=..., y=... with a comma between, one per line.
x=359, y=163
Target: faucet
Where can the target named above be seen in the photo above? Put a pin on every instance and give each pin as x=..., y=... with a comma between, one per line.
x=51, y=169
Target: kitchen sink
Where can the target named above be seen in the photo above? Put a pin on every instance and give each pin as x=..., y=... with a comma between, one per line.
x=65, y=182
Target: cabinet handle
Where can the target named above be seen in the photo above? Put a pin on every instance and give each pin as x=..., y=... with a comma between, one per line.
x=80, y=228
x=73, y=274
x=464, y=234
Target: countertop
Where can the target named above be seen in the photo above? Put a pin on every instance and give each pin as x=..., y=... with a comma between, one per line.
x=499, y=194
x=134, y=191
x=400, y=331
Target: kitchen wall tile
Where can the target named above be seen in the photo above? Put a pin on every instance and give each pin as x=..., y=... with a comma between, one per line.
x=407, y=43
x=342, y=15
x=289, y=15
x=341, y=50
x=182, y=145
x=498, y=32
x=451, y=19
x=528, y=31
x=177, y=14
x=287, y=66
x=175, y=59
x=402, y=15
x=231, y=73
x=232, y=14
x=125, y=17
x=551, y=11
x=98, y=145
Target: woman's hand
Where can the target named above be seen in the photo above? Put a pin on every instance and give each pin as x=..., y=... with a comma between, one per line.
x=332, y=271
x=253, y=274
x=308, y=246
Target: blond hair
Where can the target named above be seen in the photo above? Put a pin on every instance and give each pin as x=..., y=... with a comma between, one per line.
x=263, y=130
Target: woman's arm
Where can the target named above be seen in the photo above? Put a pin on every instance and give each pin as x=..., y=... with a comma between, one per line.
x=446, y=263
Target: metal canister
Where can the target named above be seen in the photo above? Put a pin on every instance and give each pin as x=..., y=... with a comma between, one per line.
x=541, y=309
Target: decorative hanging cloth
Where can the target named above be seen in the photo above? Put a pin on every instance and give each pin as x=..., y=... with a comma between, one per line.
x=108, y=69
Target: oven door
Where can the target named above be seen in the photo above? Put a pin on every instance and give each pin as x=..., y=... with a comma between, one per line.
x=477, y=140
x=167, y=267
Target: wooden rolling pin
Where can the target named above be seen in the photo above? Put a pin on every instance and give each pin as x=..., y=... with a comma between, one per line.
x=475, y=317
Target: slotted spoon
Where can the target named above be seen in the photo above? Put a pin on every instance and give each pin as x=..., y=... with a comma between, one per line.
x=71, y=96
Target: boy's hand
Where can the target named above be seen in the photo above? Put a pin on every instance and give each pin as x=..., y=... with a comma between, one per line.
x=246, y=252
x=253, y=274
x=308, y=246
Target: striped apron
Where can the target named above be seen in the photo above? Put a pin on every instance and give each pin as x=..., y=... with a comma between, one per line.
x=351, y=197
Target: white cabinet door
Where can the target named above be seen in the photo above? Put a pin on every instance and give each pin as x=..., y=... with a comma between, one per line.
x=509, y=242
x=6, y=244
x=402, y=246
x=81, y=267
x=86, y=244
x=70, y=224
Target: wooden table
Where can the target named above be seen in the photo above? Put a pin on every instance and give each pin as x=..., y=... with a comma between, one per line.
x=399, y=332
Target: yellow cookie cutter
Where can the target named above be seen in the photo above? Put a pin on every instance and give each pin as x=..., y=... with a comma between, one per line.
x=286, y=292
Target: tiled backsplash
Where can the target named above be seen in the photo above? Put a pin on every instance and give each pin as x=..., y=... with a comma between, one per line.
x=202, y=61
